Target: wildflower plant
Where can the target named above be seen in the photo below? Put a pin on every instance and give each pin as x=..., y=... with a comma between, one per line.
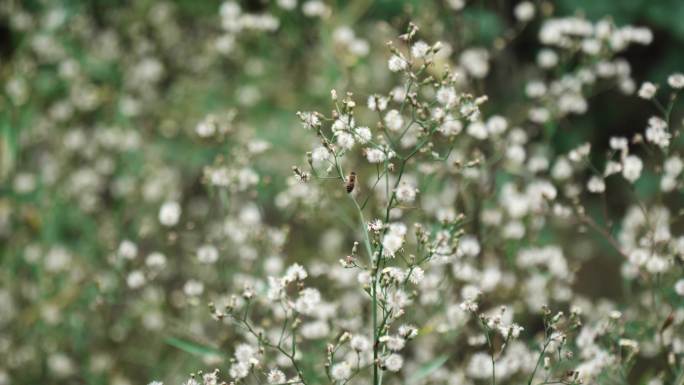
x=385, y=164
x=187, y=191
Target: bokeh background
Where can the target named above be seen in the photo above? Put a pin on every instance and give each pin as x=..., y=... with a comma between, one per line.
x=100, y=101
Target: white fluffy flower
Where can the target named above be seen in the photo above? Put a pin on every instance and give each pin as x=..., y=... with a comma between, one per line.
x=391, y=243
x=524, y=11
x=136, y=279
x=377, y=103
x=397, y=63
x=619, y=143
x=450, y=126
x=205, y=128
x=363, y=134
x=341, y=371
x=345, y=140
x=360, y=343
x=276, y=376
x=647, y=90
x=155, y=260
x=668, y=183
x=631, y=168
x=656, y=132
x=309, y=119
x=420, y=49
x=580, y=152
x=315, y=330
x=446, y=96
x=679, y=287
x=193, y=288
x=375, y=155
x=475, y=61
x=343, y=123
x=408, y=331
x=295, y=273
x=245, y=353
x=612, y=167
x=169, y=213
x=516, y=154
x=477, y=130
x=676, y=81
x=417, y=275
x=539, y=115
x=127, y=249
x=287, y=5
x=562, y=169
x=393, y=343
x=207, y=254
x=393, y=362
x=673, y=166
x=638, y=256
x=308, y=301
x=393, y=120
x=596, y=184
x=239, y=370
x=656, y=264
x=479, y=366
x=315, y=8
x=547, y=58
x=535, y=89
x=456, y=5
x=468, y=246
x=394, y=239
x=320, y=155
x=496, y=125
x=405, y=193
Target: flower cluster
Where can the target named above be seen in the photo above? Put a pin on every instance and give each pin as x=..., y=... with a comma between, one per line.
x=427, y=218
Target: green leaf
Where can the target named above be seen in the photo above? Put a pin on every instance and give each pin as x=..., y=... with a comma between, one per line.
x=192, y=347
x=428, y=368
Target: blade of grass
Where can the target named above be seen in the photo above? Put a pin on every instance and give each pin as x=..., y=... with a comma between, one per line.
x=192, y=347
x=427, y=369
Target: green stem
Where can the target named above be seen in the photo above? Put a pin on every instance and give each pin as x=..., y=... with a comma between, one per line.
x=539, y=360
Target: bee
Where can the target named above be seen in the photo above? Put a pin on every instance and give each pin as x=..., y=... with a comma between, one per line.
x=351, y=182
x=667, y=322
